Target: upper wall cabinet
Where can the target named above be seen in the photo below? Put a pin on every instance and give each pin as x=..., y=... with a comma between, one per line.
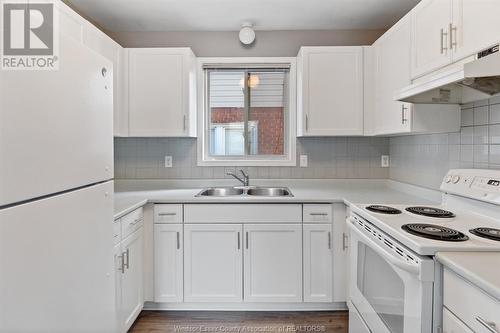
x=162, y=90
x=445, y=31
x=391, y=73
x=330, y=91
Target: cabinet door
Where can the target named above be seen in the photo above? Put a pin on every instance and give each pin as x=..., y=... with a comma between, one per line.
x=475, y=26
x=452, y=324
x=331, y=91
x=273, y=263
x=159, y=91
x=213, y=263
x=430, y=42
x=340, y=253
x=119, y=271
x=392, y=73
x=168, y=268
x=318, y=279
x=132, y=287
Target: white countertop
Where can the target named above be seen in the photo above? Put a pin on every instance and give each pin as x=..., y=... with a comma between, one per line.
x=480, y=268
x=131, y=194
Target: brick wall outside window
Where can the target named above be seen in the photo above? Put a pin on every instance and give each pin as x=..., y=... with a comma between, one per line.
x=270, y=125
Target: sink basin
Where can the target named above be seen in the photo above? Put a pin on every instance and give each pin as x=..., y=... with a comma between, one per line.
x=270, y=192
x=245, y=191
x=220, y=192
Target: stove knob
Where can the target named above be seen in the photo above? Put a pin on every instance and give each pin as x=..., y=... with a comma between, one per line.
x=448, y=179
x=455, y=179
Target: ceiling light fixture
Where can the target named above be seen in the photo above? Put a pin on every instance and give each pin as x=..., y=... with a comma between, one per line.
x=247, y=34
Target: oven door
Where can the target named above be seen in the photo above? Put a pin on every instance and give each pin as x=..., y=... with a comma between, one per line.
x=390, y=285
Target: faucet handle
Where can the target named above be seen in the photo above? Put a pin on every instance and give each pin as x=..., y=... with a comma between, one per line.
x=244, y=173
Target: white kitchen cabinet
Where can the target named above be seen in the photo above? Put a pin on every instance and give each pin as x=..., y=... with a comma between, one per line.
x=475, y=26
x=480, y=312
x=430, y=36
x=119, y=271
x=318, y=263
x=162, y=90
x=213, y=262
x=168, y=263
x=131, y=279
x=273, y=263
x=452, y=324
x=392, y=73
x=330, y=91
x=446, y=31
x=340, y=253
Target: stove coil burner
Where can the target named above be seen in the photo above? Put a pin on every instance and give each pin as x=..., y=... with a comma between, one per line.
x=430, y=212
x=436, y=232
x=383, y=209
x=489, y=233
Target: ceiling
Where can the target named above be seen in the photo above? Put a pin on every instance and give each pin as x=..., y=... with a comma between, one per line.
x=227, y=15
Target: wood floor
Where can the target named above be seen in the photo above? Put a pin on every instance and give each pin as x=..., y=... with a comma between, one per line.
x=235, y=322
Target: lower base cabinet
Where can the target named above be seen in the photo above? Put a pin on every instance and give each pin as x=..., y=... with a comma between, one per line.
x=168, y=263
x=273, y=263
x=318, y=263
x=129, y=279
x=452, y=324
x=213, y=263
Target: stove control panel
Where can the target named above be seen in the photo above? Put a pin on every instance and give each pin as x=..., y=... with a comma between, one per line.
x=476, y=184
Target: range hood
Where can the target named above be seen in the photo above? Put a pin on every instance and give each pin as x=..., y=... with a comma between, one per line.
x=472, y=81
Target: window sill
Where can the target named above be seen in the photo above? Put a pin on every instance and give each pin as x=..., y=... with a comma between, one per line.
x=248, y=162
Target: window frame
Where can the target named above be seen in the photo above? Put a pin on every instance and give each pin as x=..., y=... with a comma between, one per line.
x=203, y=145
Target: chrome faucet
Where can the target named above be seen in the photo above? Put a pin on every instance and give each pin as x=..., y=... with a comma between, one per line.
x=245, y=180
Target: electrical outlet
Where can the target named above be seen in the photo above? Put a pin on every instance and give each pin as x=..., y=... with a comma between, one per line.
x=168, y=161
x=303, y=161
x=384, y=161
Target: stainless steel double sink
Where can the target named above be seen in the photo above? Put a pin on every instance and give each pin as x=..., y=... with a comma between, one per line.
x=251, y=191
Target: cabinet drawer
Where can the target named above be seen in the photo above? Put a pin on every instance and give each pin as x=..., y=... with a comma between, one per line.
x=167, y=213
x=117, y=231
x=243, y=213
x=469, y=303
x=131, y=222
x=317, y=213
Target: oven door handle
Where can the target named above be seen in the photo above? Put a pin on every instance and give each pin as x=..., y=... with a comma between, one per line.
x=404, y=265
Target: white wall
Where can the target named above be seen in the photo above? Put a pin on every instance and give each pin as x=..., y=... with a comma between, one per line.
x=267, y=44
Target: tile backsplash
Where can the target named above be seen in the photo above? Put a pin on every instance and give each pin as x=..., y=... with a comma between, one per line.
x=338, y=157
x=424, y=159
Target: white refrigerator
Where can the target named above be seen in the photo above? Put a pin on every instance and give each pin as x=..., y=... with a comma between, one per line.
x=56, y=196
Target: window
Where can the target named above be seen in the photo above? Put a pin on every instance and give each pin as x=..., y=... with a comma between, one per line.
x=248, y=113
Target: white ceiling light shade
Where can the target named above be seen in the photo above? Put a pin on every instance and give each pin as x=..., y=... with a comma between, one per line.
x=247, y=34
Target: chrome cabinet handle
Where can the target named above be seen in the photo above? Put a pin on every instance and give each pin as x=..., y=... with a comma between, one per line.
x=122, y=264
x=329, y=240
x=403, y=114
x=167, y=214
x=344, y=241
x=318, y=214
x=126, y=254
x=178, y=238
x=238, y=236
x=135, y=222
x=307, y=123
x=184, y=123
x=453, y=32
x=443, y=44
x=246, y=239
x=490, y=326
